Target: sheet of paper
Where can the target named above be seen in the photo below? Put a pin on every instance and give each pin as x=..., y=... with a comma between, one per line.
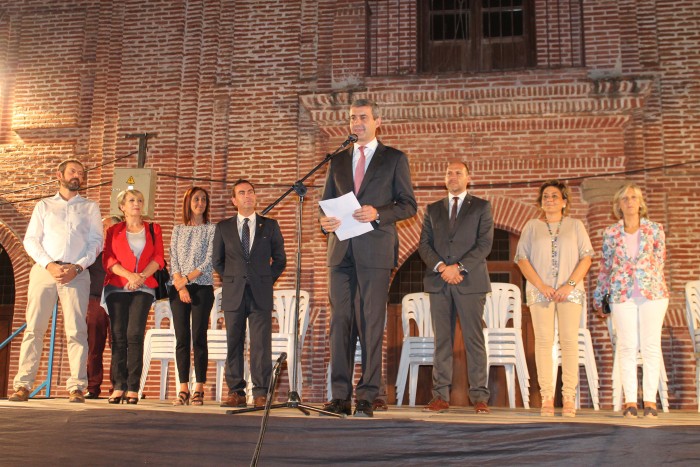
x=342, y=208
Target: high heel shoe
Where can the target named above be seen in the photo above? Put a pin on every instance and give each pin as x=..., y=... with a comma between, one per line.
x=116, y=399
x=569, y=408
x=547, y=409
x=198, y=398
x=183, y=398
x=133, y=400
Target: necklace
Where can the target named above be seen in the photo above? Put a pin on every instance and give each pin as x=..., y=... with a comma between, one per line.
x=555, y=248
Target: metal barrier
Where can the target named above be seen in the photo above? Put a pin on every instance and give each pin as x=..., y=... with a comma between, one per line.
x=46, y=384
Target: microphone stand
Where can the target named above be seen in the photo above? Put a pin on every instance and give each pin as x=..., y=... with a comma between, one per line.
x=293, y=399
x=268, y=401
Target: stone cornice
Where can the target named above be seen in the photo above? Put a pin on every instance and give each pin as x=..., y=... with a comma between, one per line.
x=600, y=98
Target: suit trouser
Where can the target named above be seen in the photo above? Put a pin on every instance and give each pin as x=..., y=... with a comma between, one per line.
x=41, y=297
x=568, y=320
x=260, y=324
x=445, y=306
x=197, y=313
x=358, y=297
x=97, y=332
x=638, y=323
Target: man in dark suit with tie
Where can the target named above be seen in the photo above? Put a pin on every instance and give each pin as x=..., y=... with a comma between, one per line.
x=360, y=267
x=456, y=239
x=249, y=256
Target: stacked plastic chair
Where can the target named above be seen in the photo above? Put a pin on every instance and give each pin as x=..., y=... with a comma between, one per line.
x=586, y=358
x=692, y=316
x=159, y=344
x=617, y=375
x=504, y=345
x=416, y=350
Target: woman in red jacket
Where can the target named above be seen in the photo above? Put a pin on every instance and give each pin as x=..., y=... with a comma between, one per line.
x=133, y=252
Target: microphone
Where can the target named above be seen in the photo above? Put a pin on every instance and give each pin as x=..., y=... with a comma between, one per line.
x=282, y=358
x=351, y=139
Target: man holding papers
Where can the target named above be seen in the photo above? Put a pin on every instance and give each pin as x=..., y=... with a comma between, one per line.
x=360, y=265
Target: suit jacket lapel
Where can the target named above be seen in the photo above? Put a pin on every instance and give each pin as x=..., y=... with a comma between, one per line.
x=345, y=175
x=259, y=224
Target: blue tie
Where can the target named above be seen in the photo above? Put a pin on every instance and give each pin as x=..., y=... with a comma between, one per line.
x=245, y=239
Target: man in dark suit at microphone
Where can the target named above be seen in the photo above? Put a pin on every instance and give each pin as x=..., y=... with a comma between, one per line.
x=249, y=256
x=360, y=267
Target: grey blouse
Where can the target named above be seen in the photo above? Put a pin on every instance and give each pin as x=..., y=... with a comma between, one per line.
x=191, y=248
x=554, y=256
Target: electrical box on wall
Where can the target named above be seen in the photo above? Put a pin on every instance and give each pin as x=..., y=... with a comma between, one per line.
x=143, y=180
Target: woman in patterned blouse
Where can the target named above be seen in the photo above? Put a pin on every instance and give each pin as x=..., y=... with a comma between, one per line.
x=192, y=291
x=554, y=254
x=632, y=272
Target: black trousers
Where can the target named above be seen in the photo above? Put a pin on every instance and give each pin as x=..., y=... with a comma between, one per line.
x=128, y=312
x=198, y=313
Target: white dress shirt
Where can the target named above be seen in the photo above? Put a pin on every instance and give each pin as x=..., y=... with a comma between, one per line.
x=370, y=149
x=68, y=231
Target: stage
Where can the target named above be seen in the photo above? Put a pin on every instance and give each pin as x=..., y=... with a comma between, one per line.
x=57, y=432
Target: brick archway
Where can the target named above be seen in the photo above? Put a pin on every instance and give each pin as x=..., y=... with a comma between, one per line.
x=21, y=265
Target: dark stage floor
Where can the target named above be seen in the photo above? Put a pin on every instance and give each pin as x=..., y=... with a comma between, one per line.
x=55, y=432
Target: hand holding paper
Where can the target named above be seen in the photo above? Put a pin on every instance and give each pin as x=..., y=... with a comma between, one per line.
x=342, y=208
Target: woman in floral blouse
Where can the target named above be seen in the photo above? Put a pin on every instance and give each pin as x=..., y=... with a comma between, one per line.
x=632, y=272
x=554, y=254
x=192, y=291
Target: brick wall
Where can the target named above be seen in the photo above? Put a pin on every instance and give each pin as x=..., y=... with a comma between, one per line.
x=260, y=90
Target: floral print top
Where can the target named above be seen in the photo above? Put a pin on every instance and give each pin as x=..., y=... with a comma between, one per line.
x=191, y=248
x=618, y=270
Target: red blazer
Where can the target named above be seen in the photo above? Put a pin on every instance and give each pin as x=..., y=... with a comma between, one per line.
x=117, y=251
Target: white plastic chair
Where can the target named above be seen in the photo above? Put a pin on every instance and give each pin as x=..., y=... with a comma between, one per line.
x=692, y=317
x=283, y=340
x=159, y=344
x=216, y=342
x=415, y=351
x=617, y=375
x=586, y=358
x=504, y=345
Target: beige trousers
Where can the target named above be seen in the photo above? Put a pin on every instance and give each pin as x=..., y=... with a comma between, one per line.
x=568, y=317
x=41, y=298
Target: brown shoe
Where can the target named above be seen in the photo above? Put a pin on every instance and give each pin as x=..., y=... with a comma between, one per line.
x=20, y=395
x=234, y=400
x=437, y=404
x=379, y=405
x=259, y=401
x=481, y=408
x=76, y=396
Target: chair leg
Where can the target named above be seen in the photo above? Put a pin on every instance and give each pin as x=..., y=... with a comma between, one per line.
x=510, y=382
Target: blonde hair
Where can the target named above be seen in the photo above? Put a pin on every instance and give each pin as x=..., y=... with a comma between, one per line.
x=617, y=212
x=121, y=197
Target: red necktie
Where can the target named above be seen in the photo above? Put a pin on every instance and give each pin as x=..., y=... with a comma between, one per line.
x=453, y=212
x=360, y=170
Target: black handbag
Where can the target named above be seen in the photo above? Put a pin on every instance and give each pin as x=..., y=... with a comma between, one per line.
x=606, y=304
x=162, y=276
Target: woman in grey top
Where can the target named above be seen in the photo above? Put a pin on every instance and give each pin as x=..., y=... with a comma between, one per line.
x=192, y=292
x=554, y=254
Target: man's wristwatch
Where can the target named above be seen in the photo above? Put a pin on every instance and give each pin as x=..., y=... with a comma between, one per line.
x=78, y=269
x=460, y=267
x=571, y=283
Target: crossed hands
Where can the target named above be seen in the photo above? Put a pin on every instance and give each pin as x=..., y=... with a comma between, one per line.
x=62, y=273
x=451, y=274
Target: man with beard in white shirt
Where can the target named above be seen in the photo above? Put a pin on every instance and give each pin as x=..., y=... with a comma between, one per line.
x=64, y=237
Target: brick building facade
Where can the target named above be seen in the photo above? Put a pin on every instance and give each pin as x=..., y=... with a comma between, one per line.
x=596, y=92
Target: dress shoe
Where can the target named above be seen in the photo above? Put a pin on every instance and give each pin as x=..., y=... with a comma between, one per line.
x=259, y=401
x=379, y=405
x=92, y=395
x=568, y=407
x=338, y=406
x=481, y=408
x=651, y=412
x=76, y=396
x=20, y=395
x=234, y=400
x=437, y=404
x=363, y=409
